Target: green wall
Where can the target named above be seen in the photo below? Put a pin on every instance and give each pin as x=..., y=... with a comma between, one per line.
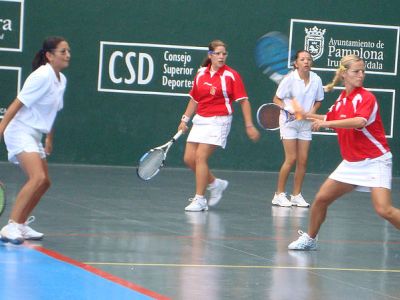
x=115, y=128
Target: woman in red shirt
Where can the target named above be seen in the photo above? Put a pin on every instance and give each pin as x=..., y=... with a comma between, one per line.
x=216, y=86
x=367, y=161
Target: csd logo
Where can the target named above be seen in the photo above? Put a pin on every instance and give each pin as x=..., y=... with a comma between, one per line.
x=130, y=67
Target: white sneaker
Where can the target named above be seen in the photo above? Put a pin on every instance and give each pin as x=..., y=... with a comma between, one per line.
x=281, y=200
x=11, y=233
x=299, y=201
x=197, y=204
x=216, y=191
x=304, y=242
x=28, y=233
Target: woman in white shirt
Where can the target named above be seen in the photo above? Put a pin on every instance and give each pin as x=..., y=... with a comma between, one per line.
x=30, y=116
x=306, y=87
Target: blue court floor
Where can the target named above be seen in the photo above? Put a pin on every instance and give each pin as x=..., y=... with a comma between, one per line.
x=109, y=235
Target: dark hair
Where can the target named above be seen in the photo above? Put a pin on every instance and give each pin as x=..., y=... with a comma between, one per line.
x=49, y=44
x=296, y=56
x=211, y=47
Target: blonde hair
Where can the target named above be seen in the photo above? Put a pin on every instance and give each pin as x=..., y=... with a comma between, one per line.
x=345, y=64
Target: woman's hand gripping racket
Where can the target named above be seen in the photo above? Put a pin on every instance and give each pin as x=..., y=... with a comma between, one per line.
x=271, y=116
x=2, y=198
x=153, y=160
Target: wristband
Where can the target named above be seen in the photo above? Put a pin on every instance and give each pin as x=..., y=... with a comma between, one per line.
x=185, y=119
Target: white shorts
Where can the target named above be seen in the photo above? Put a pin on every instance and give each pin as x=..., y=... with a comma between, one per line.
x=298, y=129
x=376, y=172
x=19, y=138
x=210, y=130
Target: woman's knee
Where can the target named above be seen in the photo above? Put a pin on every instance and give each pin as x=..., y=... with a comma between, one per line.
x=322, y=199
x=41, y=180
x=290, y=161
x=47, y=182
x=189, y=158
x=189, y=161
x=201, y=158
x=203, y=153
x=385, y=211
x=301, y=164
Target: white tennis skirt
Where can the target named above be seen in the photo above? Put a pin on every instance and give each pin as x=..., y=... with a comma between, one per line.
x=210, y=130
x=376, y=172
x=19, y=138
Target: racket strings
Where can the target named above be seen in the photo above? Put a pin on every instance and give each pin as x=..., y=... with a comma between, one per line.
x=150, y=163
x=268, y=117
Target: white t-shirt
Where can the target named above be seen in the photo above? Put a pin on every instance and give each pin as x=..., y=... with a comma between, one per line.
x=293, y=86
x=42, y=96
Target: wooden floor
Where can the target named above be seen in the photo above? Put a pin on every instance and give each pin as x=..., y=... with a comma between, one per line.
x=109, y=224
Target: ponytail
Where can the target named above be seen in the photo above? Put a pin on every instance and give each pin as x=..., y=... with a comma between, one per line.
x=39, y=59
x=206, y=62
x=336, y=79
x=345, y=64
x=49, y=45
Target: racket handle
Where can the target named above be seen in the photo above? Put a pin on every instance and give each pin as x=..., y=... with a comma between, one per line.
x=298, y=110
x=289, y=108
x=177, y=135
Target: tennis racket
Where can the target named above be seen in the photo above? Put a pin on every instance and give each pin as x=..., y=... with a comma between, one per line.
x=272, y=55
x=268, y=116
x=2, y=198
x=153, y=160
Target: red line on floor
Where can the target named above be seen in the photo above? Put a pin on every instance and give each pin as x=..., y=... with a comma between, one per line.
x=98, y=272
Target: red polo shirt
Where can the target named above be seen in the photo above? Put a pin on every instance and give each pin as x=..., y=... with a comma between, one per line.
x=214, y=94
x=361, y=143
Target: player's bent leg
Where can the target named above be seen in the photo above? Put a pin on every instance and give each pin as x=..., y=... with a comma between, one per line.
x=189, y=158
x=30, y=194
x=382, y=202
x=38, y=194
x=37, y=184
x=328, y=192
x=203, y=153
